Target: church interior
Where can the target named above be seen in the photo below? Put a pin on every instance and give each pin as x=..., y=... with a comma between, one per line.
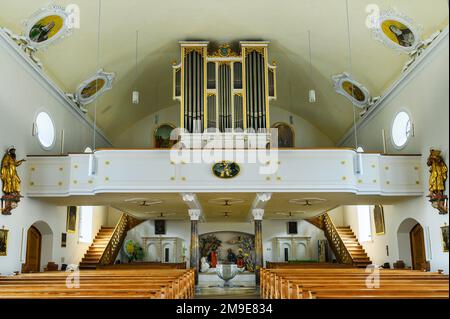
x=202, y=150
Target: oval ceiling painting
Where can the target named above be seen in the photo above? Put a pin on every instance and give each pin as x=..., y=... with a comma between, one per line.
x=47, y=25
x=354, y=91
x=226, y=169
x=396, y=31
x=94, y=87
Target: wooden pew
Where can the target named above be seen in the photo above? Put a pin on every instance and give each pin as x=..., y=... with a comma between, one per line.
x=351, y=283
x=104, y=284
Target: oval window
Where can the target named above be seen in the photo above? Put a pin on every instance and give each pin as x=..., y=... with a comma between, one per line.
x=45, y=130
x=401, y=129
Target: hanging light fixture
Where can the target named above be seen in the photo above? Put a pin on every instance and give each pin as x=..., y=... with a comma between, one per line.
x=312, y=93
x=135, y=95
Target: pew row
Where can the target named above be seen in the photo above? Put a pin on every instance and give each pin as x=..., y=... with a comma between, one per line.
x=352, y=283
x=101, y=284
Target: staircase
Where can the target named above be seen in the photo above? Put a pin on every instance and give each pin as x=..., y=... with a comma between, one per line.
x=342, y=241
x=107, y=243
x=359, y=255
x=94, y=253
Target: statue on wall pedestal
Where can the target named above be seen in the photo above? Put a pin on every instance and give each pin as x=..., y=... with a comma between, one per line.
x=438, y=177
x=11, y=181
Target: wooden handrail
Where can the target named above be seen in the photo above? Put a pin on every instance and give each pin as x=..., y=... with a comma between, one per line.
x=340, y=250
x=126, y=222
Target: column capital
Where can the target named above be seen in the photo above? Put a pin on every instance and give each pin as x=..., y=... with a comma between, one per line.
x=263, y=197
x=258, y=213
x=194, y=214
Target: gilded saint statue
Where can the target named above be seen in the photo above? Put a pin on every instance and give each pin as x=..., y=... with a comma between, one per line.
x=438, y=177
x=9, y=176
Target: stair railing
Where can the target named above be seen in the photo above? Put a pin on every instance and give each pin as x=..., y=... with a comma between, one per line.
x=111, y=251
x=338, y=246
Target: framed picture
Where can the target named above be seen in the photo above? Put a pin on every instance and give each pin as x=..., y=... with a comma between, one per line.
x=378, y=216
x=3, y=242
x=160, y=227
x=444, y=233
x=63, y=240
x=71, y=225
x=292, y=228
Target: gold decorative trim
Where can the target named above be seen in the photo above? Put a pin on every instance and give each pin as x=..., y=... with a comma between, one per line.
x=219, y=53
x=188, y=50
x=249, y=50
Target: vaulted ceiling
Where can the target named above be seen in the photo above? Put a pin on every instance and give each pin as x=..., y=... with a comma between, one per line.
x=285, y=23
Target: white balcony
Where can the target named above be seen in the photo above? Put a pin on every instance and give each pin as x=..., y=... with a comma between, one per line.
x=290, y=171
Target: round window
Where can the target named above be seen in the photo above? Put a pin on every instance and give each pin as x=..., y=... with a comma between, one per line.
x=45, y=130
x=401, y=129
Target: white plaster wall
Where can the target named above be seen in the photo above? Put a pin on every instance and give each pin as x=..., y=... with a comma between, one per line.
x=21, y=97
x=426, y=96
x=140, y=135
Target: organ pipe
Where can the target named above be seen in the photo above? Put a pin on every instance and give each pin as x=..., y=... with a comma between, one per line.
x=224, y=89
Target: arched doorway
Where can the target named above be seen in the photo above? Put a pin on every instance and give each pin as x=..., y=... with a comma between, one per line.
x=418, y=254
x=39, y=247
x=161, y=136
x=33, y=257
x=286, y=135
x=411, y=243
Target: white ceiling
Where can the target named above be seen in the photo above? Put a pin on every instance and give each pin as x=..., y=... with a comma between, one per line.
x=283, y=22
x=172, y=206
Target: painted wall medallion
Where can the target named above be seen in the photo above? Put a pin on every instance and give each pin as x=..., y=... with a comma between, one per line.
x=354, y=91
x=226, y=169
x=48, y=25
x=94, y=87
x=396, y=31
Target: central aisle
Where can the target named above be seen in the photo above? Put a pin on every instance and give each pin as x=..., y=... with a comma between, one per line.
x=228, y=293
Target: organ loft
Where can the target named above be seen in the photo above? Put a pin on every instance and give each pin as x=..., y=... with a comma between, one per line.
x=225, y=90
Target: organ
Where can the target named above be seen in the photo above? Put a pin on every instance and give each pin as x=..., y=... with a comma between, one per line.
x=223, y=91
